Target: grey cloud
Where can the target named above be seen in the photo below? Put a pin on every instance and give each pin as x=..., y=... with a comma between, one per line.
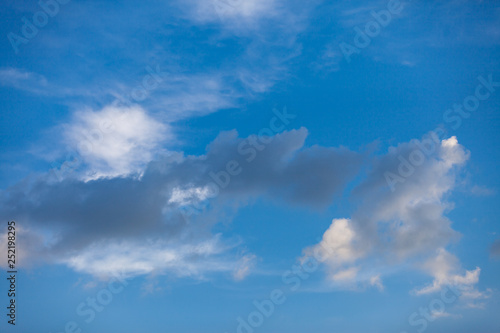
x=495, y=249
x=403, y=227
x=284, y=170
x=73, y=215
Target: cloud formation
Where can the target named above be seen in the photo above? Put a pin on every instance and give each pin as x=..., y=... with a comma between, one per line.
x=401, y=228
x=115, y=141
x=102, y=225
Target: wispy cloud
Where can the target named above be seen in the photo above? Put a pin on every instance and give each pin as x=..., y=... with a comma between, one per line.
x=447, y=24
x=482, y=191
x=24, y=80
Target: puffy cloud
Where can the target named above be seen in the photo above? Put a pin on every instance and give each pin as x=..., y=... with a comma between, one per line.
x=115, y=141
x=339, y=243
x=103, y=225
x=404, y=227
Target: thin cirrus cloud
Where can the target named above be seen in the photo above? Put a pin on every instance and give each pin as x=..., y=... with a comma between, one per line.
x=234, y=10
x=38, y=84
x=407, y=227
x=93, y=226
x=189, y=85
x=25, y=80
x=175, y=96
x=253, y=58
x=413, y=27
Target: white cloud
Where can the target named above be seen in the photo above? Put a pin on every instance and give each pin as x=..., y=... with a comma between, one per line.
x=115, y=141
x=130, y=257
x=407, y=227
x=105, y=259
x=346, y=276
x=443, y=267
x=338, y=245
x=188, y=195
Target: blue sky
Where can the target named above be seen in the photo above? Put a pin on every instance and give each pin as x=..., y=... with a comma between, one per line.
x=251, y=166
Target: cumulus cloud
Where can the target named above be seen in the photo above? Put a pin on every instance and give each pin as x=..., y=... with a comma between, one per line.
x=136, y=225
x=339, y=243
x=115, y=141
x=404, y=227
